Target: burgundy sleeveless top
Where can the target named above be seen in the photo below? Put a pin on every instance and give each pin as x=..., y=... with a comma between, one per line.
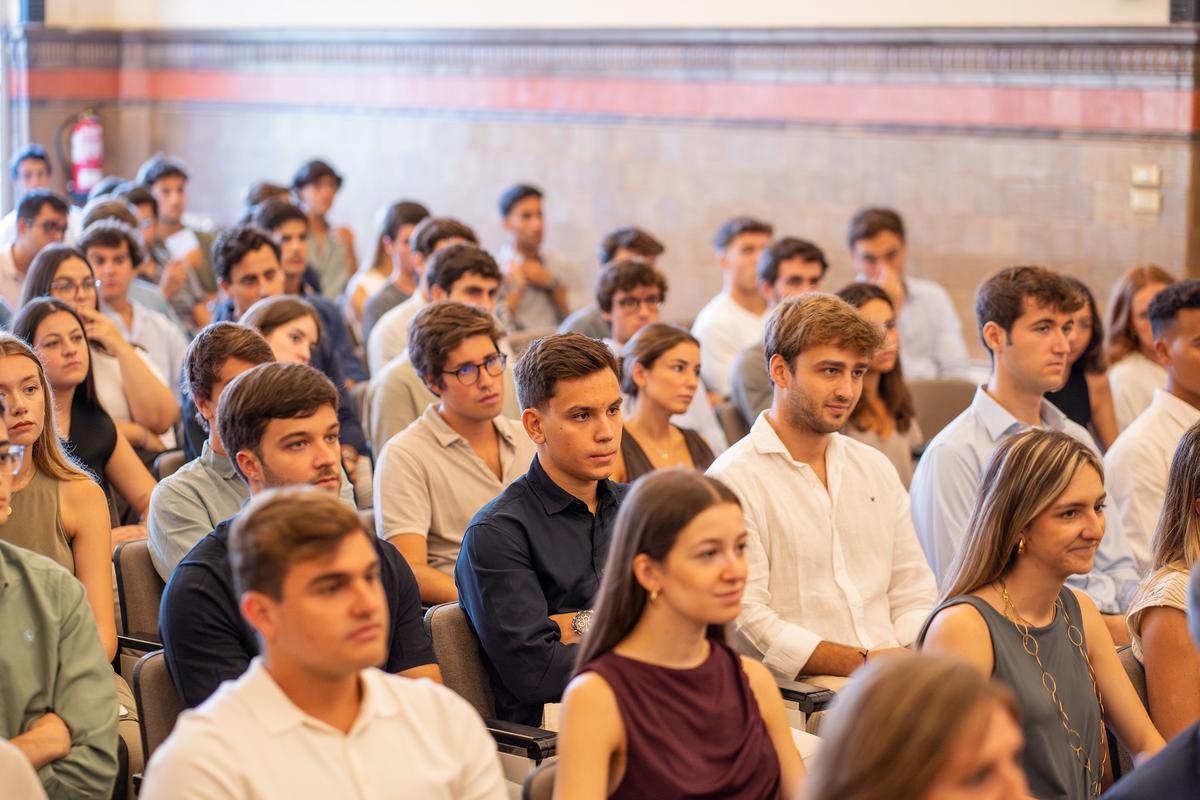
x=691, y=733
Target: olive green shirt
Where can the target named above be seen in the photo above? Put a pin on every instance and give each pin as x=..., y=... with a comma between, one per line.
x=51, y=660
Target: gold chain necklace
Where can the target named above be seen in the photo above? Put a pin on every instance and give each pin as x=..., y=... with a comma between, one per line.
x=1074, y=740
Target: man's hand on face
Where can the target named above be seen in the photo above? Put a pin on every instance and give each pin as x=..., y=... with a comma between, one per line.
x=888, y=279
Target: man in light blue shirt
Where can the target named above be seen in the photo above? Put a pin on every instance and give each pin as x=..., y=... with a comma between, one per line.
x=1024, y=318
x=931, y=336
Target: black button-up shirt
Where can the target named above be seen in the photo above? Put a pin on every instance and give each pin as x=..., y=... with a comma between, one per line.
x=532, y=552
x=207, y=641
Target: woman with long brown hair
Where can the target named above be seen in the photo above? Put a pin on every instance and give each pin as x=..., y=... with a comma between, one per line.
x=661, y=375
x=660, y=706
x=1157, y=616
x=920, y=728
x=1134, y=372
x=1007, y=610
x=884, y=417
x=1086, y=397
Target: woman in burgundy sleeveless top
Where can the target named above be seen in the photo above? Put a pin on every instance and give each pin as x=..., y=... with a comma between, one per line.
x=660, y=707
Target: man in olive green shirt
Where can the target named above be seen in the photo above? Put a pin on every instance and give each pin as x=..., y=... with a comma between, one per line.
x=58, y=704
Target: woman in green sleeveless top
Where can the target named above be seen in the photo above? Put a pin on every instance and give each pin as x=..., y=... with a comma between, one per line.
x=1007, y=610
x=58, y=510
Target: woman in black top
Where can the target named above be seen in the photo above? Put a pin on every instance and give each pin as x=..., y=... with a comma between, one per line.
x=1086, y=397
x=89, y=434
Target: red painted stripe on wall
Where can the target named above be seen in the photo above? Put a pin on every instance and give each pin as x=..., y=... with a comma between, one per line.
x=1069, y=108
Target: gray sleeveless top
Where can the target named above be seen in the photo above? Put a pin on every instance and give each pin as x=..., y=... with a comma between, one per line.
x=1053, y=769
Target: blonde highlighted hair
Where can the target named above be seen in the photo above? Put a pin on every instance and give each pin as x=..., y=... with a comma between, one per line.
x=1027, y=472
x=48, y=455
x=892, y=731
x=1177, y=536
x=1122, y=338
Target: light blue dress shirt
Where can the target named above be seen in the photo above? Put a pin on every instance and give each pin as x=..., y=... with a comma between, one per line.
x=931, y=337
x=945, y=488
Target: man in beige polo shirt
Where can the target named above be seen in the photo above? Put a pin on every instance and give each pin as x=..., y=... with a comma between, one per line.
x=458, y=455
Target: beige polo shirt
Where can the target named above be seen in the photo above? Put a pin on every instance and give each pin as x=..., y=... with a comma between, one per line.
x=430, y=481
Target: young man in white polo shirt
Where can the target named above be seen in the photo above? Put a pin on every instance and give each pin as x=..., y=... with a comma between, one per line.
x=733, y=319
x=312, y=716
x=836, y=575
x=1138, y=462
x=458, y=455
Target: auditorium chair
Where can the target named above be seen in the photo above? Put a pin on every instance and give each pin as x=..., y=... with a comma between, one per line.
x=139, y=592
x=461, y=663
x=539, y=784
x=167, y=463
x=1118, y=754
x=158, y=702
x=519, y=341
x=939, y=400
x=732, y=422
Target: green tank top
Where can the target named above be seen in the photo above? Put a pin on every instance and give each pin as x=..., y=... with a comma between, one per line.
x=36, y=523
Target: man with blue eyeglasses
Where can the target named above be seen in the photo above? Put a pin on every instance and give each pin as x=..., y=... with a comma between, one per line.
x=461, y=452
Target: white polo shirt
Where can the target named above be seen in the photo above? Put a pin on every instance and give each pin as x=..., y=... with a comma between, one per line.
x=412, y=738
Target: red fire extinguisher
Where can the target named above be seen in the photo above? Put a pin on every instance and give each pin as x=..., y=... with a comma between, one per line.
x=87, y=152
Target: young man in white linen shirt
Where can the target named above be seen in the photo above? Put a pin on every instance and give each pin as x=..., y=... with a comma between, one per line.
x=1139, y=460
x=311, y=717
x=458, y=455
x=836, y=576
x=732, y=320
x=1024, y=316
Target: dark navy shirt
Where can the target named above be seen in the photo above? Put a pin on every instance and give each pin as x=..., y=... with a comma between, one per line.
x=207, y=641
x=532, y=552
x=1173, y=773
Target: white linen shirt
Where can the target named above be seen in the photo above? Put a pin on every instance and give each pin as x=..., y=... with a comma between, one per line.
x=412, y=738
x=1137, y=465
x=1133, y=380
x=840, y=565
x=724, y=329
x=946, y=484
x=159, y=336
x=389, y=337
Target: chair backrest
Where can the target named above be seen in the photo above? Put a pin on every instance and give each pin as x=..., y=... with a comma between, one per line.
x=457, y=651
x=1137, y=677
x=939, y=400
x=539, y=784
x=139, y=588
x=158, y=703
x=168, y=463
x=732, y=422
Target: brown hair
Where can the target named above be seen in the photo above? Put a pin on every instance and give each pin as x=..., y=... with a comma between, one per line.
x=269, y=313
x=281, y=527
x=1122, y=335
x=1177, y=535
x=267, y=392
x=631, y=238
x=112, y=233
x=625, y=276
x=892, y=388
x=893, y=729
x=431, y=231
x=647, y=346
x=439, y=328
x=1001, y=298
x=870, y=222
x=1092, y=357
x=48, y=454
x=213, y=346
x=815, y=319
x=114, y=208
x=659, y=506
x=559, y=357
x=1026, y=473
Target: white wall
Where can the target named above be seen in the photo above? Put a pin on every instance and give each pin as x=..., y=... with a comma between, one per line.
x=139, y=14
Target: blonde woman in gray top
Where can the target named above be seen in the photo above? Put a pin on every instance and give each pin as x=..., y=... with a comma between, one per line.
x=1157, y=616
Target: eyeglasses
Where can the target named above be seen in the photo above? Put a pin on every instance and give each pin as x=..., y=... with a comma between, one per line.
x=52, y=227
x=69, y=287
x=12, y=459
x=631, y=303
x=468, y=374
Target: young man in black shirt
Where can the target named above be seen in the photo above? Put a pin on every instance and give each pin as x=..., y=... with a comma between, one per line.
x=532, y=559
x=279, y=425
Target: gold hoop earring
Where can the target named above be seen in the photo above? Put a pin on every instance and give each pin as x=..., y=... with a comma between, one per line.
x=1021, y=546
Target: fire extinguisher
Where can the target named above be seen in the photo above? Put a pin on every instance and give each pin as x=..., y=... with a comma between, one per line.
x=86, y=162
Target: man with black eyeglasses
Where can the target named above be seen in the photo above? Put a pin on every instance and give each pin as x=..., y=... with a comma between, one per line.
x=455, y=458
x=41, y=220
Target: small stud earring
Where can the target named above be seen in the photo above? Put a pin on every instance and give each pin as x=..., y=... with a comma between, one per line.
x=654, y=596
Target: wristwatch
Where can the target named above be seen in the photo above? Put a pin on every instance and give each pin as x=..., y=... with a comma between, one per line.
x=581, y=622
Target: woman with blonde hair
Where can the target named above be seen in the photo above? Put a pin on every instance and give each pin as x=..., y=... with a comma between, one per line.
x=920, y=728
x=1134, y=372
x=1007, y=610
x=1157, y=617
x=660, y=706
x=661, y=374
